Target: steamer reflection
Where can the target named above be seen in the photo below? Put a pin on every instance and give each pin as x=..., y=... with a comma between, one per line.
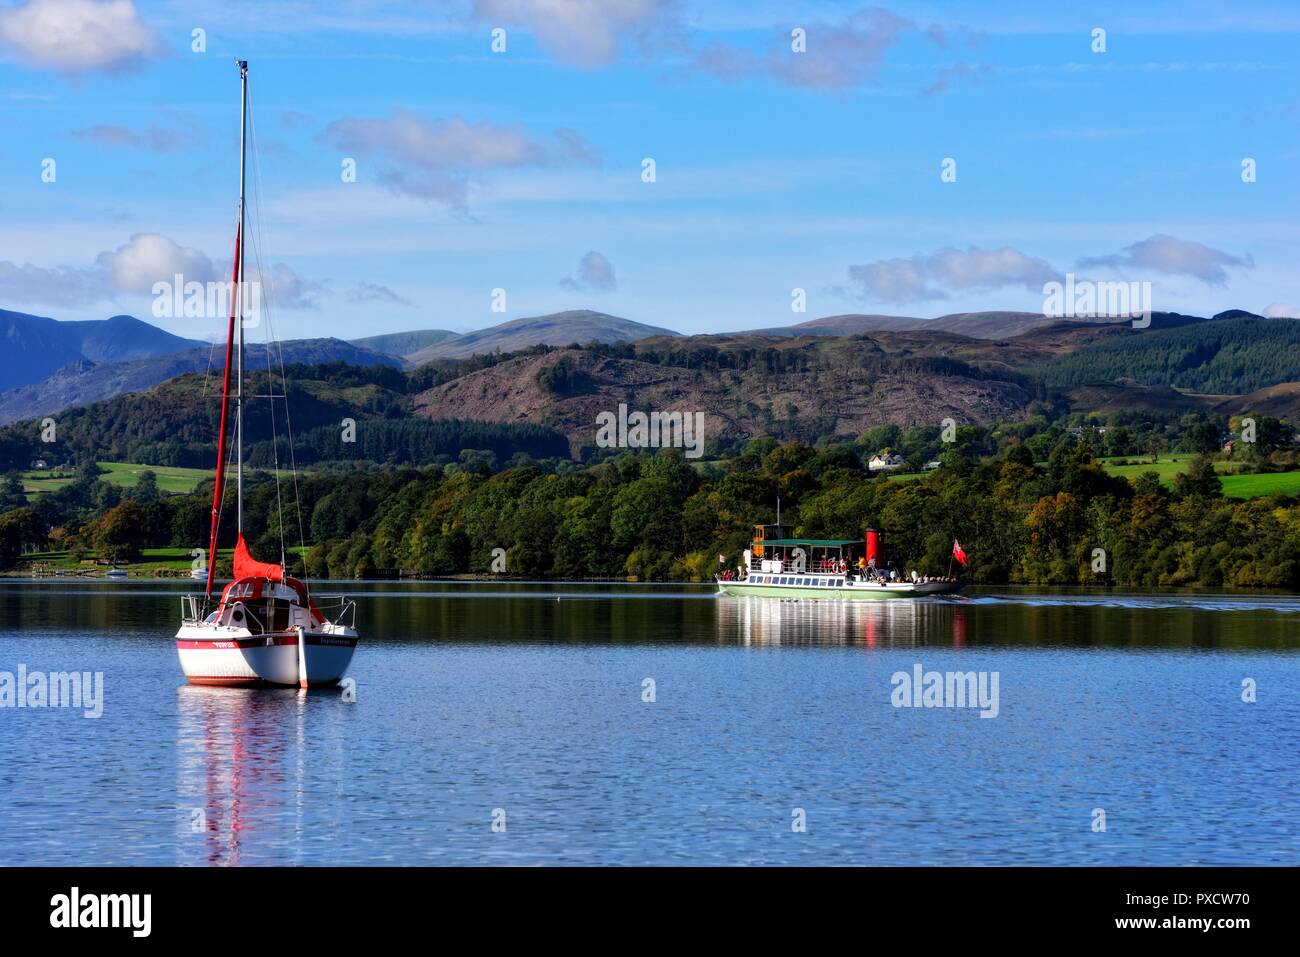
x=762, y=621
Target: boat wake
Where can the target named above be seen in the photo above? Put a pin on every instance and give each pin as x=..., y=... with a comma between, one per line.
x=1218, y=603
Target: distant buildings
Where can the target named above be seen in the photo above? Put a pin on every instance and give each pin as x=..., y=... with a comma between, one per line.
x=1079, y=431
x=886, y=461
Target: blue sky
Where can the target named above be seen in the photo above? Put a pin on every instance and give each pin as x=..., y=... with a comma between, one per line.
x=775, y=170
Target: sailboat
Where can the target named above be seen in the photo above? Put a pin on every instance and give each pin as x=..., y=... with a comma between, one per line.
x=265, y=628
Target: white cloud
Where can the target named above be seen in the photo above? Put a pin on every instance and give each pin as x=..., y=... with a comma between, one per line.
x=894, y=280
x=1168, y=254
x=131, y=268
x=595, y=273
x=943, y=82
x=153, y=139
x=57, y=286
x=935, y=275
x=438, y=159
x=1280, y=310
x=989, y=269
x=585, y=33
x=77, y=35
x=149, y=258
x=134, y=268
x=838, y=55
x=284, y=288
x=375, y=292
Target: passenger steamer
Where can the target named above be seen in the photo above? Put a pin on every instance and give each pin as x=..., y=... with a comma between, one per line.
x=827, y=568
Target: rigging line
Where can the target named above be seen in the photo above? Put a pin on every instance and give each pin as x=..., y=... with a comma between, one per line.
x=207, y=375
x=269, y=330
x=221, y=507
x=279, y=351
x=270, y=373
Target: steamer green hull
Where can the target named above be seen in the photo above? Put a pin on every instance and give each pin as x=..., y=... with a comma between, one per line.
x=847, y=593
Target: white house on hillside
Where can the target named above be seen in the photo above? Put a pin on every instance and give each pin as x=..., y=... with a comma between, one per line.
x=886, y=463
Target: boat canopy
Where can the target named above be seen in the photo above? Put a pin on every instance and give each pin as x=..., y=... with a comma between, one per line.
x=815, y=542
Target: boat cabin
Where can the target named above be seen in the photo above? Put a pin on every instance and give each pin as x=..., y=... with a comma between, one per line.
x=771, y=552
x=265, y=607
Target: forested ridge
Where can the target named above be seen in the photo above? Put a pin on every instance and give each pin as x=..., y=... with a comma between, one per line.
x=407, y=495
x=174, y=424
x=1230, y=356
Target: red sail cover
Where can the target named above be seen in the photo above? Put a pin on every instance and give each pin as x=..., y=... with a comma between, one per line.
x=246, y=566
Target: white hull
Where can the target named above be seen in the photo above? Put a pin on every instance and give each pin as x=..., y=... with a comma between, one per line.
x=826, y=586
x=233, y=656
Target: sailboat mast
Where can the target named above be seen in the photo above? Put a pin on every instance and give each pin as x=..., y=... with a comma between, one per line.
x=239, y=360
x=236, y=278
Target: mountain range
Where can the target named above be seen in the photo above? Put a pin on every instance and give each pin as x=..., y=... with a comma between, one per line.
x=49, y=366
x=35, y=347
x=83, y=381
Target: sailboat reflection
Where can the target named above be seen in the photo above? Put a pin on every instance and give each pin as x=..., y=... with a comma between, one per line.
x=758, y=621
x=238, y=760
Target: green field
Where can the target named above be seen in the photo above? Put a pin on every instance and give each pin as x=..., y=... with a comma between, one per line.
x=1166, y=468
x=153, y=562
x=1253, y=486
x=124, y=474
x=1234, y=486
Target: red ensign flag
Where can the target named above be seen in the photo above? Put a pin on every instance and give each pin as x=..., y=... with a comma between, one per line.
x=958, y=553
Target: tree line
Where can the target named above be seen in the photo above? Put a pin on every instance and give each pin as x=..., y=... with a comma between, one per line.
x=1058, y=519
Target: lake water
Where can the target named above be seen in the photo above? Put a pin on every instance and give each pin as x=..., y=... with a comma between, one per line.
x=478, y=703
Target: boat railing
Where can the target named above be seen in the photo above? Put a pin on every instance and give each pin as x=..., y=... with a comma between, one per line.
x=787, y=568
x=195, y=608
x=337, y=609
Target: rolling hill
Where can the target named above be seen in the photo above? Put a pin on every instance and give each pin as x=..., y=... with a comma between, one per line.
x=557, y=329
x=403, y=344
x=849, y=324
x=998, y=325
x=975, y=325
x=791, y=389
x=52, y=365
x=174, y=424
x=790, y=386
x=83, y=381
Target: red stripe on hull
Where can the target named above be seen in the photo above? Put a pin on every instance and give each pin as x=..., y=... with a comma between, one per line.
x=231, y=682
x=254, y=683
x=328, y=641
